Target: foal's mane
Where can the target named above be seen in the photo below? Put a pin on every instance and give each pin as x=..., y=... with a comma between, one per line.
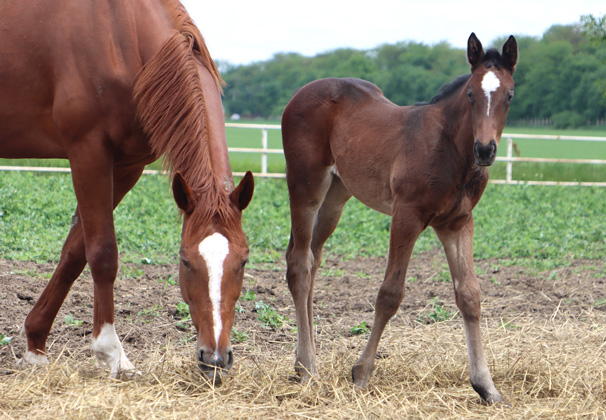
x=492, y=57
x=172, y=112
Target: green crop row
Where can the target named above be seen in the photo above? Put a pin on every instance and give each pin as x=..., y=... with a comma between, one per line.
x=549, y=224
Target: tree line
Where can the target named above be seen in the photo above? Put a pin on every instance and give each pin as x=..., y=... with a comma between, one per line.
x=560, y=76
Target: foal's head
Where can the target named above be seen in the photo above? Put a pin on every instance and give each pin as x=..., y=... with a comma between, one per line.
x=490, y=91
x=213, y=255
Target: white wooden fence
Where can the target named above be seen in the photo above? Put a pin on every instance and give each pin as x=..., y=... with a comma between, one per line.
x=264, y=151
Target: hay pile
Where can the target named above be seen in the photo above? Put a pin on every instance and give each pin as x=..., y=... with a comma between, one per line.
x=551, y=368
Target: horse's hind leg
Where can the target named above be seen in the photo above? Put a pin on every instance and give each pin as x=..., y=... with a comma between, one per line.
x=40, y=319
x=458, y=246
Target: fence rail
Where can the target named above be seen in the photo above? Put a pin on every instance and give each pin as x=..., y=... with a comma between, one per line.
x=509, y=159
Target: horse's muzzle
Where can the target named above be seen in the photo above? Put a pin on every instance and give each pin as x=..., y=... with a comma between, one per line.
x=485, y=154
x=214, y=366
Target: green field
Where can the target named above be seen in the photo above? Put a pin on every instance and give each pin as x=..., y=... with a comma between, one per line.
x=529, y=225
x=250, y=137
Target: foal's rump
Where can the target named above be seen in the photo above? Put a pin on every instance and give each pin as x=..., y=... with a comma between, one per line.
x=331, y=126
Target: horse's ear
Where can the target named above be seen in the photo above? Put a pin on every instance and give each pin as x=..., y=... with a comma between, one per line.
x=509, y=54
x=475, y=52
x=184, y=196
x=242, y=194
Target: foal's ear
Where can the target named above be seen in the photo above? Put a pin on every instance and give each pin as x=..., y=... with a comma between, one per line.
x=475, y=52
x=184, y=196
x=242, y=194
x=509, y=54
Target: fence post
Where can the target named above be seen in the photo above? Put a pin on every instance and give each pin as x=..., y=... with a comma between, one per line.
x=264, y=155
x=509, y=156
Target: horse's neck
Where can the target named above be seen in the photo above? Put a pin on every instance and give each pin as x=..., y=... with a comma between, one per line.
x=217, y=142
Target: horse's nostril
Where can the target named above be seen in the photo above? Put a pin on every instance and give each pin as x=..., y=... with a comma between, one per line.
x=216, y=360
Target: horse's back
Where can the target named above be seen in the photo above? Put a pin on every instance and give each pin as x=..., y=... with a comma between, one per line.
x=66, y=65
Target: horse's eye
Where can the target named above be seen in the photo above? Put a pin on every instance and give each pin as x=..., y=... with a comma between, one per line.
x=470, y=95
x=186, y=264
x=243, y=263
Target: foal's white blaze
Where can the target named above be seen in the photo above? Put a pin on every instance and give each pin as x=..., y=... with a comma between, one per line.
x=108, y=349
x=490, y=83
x=214, y=250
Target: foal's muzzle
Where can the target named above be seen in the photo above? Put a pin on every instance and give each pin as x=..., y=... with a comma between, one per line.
x=485, y=154
x=214, y=366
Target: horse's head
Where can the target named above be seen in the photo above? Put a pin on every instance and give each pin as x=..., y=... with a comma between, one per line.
x=213, y=255
x=490, y=91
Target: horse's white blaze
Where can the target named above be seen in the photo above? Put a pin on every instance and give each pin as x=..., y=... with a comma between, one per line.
x=108, y=349
x=490, y=83
x=214, y=250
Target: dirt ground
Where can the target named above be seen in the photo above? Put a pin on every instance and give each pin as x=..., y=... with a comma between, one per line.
x=345, y=292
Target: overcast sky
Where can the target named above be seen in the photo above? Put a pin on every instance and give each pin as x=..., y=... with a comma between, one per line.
x=244, y=31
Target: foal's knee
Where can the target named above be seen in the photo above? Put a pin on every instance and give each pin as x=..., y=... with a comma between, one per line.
x=468, y=302
x=389, y=299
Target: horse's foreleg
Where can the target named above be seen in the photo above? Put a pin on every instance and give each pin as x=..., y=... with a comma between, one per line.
x=458, y=246
x=98, y=191
x=405, y=229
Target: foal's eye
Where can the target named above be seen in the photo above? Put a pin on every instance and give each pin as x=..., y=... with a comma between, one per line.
x=470, y=95
x=509, y=97
x=243, y=264
x=186, y=264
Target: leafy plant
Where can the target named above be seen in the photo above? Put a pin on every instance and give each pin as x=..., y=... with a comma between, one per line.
x=361, y=328
x=238, y=336
x=69, y=320
x=268, y=315
x=149, y=313
x=248, y=295
x=184, y=315
x=5, y=340
x=438, y=313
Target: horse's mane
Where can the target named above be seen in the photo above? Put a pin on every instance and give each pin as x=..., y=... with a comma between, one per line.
x=171, y=109
x=184, y=24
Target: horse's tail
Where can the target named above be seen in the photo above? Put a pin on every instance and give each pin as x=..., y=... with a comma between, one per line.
x=171, y=108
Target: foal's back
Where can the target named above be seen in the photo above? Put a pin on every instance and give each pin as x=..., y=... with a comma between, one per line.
x=348, y=127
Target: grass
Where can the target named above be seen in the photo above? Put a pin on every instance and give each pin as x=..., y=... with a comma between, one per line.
x=543, y=226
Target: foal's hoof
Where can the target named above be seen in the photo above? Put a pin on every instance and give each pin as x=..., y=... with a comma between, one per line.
x=360, y=375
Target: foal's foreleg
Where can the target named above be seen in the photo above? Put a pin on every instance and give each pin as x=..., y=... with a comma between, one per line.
x=405, y=229
x=458, y=246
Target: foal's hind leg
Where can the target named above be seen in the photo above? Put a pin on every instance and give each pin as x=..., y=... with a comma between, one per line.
x=315, y=210
x=458, y=246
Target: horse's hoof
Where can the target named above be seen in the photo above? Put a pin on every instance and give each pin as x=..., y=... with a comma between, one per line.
x=126, y=375
x=32, y=359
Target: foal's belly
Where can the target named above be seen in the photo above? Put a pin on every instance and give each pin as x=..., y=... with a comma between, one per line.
x=372, y=191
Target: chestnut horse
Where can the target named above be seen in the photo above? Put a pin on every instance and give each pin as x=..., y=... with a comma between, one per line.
x=112, y=86
x=425, y=165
